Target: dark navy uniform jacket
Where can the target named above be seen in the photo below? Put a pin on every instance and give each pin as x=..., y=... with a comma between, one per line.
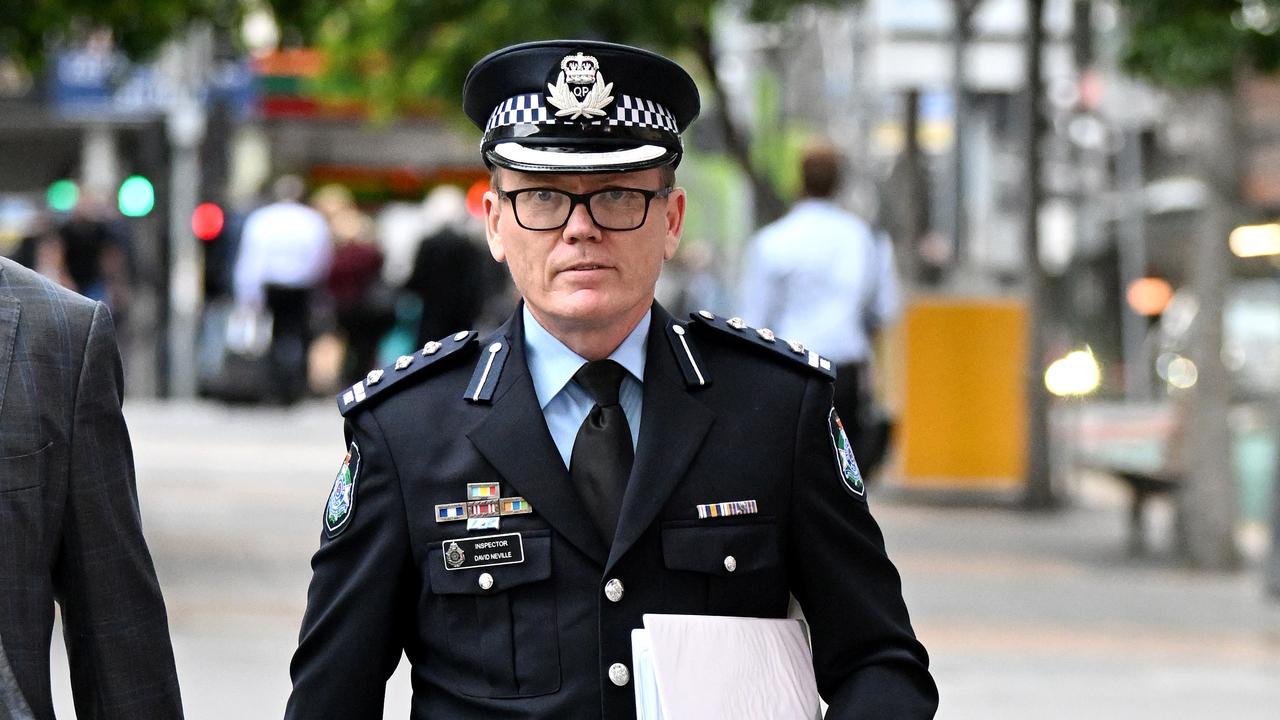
x=538, y=642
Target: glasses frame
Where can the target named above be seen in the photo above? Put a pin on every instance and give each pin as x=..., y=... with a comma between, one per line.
x=584, y=199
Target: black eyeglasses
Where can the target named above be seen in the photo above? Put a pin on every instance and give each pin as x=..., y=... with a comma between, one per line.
x=613, y=208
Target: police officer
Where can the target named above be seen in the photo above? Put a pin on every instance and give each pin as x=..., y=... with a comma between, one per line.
x=510, y=506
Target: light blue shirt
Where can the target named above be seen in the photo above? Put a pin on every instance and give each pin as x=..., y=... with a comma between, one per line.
x=564, y=403
x=818, y=276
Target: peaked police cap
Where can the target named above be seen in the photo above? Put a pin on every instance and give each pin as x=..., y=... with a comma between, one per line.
x=579, y=106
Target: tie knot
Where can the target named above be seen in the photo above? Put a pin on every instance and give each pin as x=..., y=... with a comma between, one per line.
x=601, y=379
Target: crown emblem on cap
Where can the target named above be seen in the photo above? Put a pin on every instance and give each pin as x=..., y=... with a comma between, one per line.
x=580, y=69
x=571, y=94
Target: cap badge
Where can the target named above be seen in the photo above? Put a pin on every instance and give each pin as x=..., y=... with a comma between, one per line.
x=580, y=89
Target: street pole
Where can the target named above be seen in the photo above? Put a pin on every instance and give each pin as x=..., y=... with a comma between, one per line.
x=185, y=130
x=1272, y=570
x=186, y=123
x=1038, y=493
x=1207, y=501
x=959, y=219
x=1133, y=263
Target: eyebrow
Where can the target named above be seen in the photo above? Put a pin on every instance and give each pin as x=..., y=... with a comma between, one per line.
x=544, y=179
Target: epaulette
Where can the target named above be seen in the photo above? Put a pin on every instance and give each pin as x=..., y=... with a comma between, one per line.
x=379, y=382
x=764, y=338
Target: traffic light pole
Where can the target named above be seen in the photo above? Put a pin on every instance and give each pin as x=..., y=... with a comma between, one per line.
x=186, y=124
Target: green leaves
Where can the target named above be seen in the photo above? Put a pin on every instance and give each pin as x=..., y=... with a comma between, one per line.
x=138, y=27
x=1197, y=44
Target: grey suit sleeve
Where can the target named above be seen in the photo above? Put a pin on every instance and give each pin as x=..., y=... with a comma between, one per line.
x=115, y=626
x=12, y=705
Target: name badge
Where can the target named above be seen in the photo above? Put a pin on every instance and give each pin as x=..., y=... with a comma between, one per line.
x=484, y=551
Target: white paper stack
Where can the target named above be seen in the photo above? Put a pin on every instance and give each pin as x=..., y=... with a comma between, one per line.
x=698, y=667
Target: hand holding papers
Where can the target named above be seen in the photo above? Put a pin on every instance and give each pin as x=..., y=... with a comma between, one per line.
x=694, y=667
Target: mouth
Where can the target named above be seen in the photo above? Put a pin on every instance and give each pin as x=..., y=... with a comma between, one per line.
x=585, y=267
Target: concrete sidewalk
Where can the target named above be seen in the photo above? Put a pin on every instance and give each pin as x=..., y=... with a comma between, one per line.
x=1025, y=615
x=1031, y=615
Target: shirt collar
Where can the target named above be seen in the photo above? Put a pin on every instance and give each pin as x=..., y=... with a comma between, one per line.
x=552, y=364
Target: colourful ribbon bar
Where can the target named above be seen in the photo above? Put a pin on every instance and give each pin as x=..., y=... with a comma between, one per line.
x=726, y=509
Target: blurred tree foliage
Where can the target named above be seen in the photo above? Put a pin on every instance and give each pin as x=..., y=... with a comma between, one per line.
x=139, y=27
x=414, y=51
x=1200, y=44
x=423, y=48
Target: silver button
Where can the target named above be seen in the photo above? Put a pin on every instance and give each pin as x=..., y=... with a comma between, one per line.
x=730, y=563
x=486, y=581
x=736, y=323
x=707, y=314
x=461, y=336
x=404, y=361
x=373, y=378
x=431, y=348
x=619, y=674
x=613, y=590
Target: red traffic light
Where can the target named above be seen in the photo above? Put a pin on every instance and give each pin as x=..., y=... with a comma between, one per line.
x=207, y=221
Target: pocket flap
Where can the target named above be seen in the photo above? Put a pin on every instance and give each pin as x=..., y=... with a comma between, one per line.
x=536, y=566
x=24, y=471
x=705, y=548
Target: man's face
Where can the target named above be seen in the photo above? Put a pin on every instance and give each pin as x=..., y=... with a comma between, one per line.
x=581, y=277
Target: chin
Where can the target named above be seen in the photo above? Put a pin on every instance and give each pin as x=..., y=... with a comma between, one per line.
x=587, y=308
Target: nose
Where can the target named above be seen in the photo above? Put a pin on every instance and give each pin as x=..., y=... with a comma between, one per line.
x=581, y=228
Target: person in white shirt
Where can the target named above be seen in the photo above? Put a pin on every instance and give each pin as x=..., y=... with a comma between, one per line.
x=824, y=274
x=285, y=251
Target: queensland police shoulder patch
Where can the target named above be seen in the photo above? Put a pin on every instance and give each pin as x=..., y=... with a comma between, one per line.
x=850, y=477
x=342, y=497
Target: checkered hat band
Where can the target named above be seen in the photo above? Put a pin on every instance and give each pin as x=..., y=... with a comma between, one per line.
x=626, y=110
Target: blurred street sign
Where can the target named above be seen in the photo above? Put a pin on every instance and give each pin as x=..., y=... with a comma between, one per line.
x=105, y=86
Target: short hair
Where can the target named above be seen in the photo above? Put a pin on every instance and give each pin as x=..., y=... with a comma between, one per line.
x=288, y=188
x=820, y=170
x=666, y=176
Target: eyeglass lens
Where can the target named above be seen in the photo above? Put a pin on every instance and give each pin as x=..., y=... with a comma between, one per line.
x=611, y=208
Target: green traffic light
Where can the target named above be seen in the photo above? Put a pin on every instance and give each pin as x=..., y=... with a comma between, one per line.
x=137, y=197
x=62, y=195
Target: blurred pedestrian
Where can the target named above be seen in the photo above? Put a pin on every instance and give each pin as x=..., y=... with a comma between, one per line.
x=450, y=276
x=822, y=273
x=364, y=307
x=96, y=253
x=401, y=228
x=69, y=518
x=285, y=251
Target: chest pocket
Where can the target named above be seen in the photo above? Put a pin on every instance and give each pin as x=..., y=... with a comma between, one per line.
x=502, y=639
x=24, y=471
x=741, y=563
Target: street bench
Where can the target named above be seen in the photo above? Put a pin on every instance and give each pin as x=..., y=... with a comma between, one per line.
x=1143, y=485
x=1130, y=443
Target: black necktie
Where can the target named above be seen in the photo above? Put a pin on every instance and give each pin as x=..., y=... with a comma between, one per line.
x=602, y=454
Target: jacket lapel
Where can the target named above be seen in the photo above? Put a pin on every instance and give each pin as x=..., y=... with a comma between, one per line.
x=513, y=437
x=672, y=427
x=9, y=310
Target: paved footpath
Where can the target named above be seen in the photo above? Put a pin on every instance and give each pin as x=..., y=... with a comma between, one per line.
x=1025, y=615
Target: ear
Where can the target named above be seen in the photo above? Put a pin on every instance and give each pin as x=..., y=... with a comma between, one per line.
x=492, y=211
x=675, y=222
